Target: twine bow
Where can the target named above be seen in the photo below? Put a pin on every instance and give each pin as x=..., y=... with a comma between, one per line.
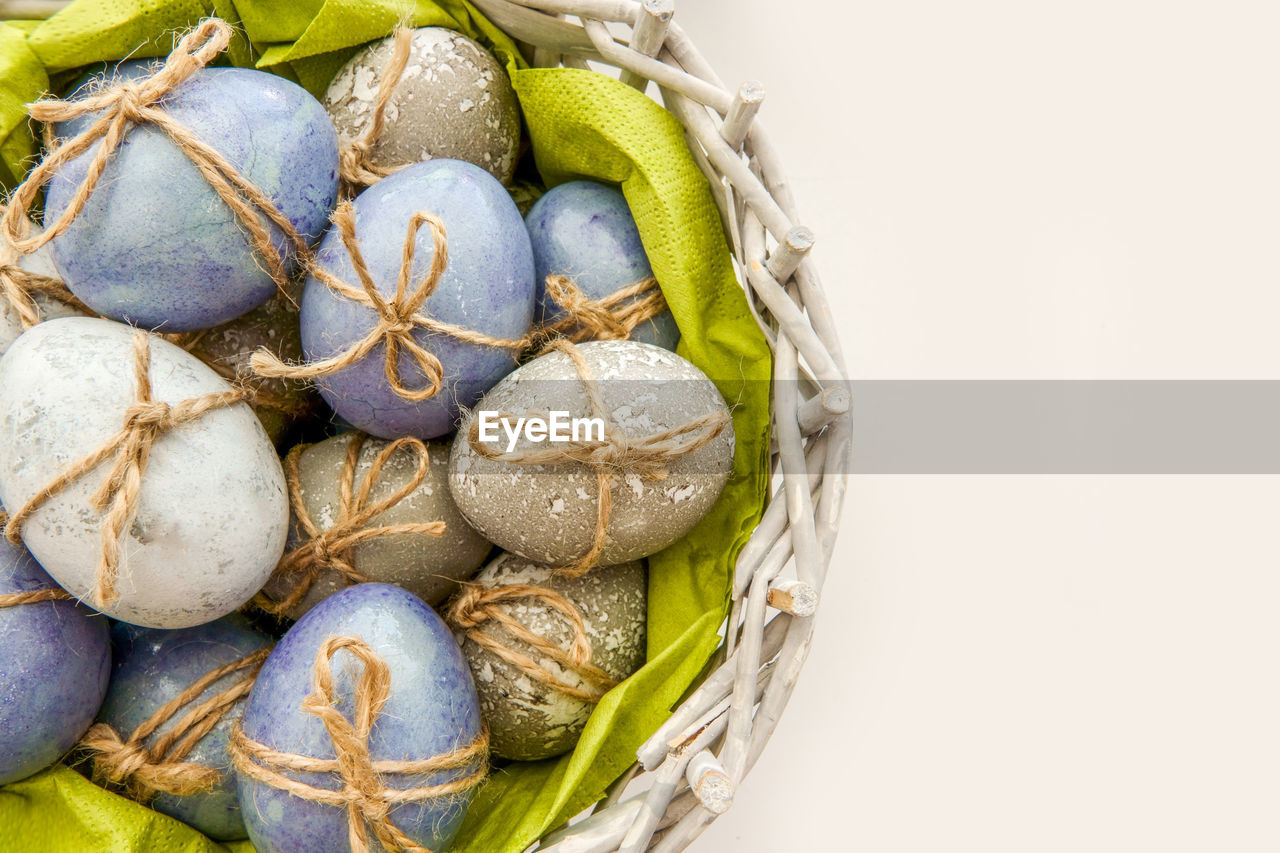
x=397, y=318
x=647, y=456
x=333, y=549
x=128, y=451
x=477, y=604
x=355, y=165
x=612, y=318
x=367, y=800
x=146, y=771
x=122, y=107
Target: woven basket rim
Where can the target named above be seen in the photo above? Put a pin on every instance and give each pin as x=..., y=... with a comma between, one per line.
x=702, y=753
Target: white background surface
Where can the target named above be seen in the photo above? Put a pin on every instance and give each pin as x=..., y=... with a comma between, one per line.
x=1032, y=190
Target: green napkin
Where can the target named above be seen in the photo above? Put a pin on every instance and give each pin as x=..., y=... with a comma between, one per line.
x=582, y=125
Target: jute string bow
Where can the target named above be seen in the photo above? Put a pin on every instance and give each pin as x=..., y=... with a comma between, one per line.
x=367, y=799
x=612, y=318
x=144, y=770
x=477, y=605
x=333, y=549
x=128, y=451
x=124, y=106
x=617, y=453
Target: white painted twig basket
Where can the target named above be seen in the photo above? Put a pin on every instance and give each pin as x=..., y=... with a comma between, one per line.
x=693, y=763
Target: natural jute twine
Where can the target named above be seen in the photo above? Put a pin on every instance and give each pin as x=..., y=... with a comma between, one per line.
x=34, y=596
x=258, y=395
x=617, y=453
x=367, y=799
x=355, y=167
x=477, y=604
x=333, y=549
x=19, y=287
x=401, y=315
x=124, y=106
x=128, y=450
x=146, y=771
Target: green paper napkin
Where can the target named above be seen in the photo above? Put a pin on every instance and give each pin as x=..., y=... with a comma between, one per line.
x=582, y=125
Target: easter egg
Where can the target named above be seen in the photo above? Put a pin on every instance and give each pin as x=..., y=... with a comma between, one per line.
x=41, y=263
x=584, y=231
x=210, y=517
x=452, y=100
x=486, y=287
x=540, y=711
x=279, y=403
x=55, y=659
x=548, y=511
x=155, y=245
x=153, y=667
x=428, y=566
x=369, y=642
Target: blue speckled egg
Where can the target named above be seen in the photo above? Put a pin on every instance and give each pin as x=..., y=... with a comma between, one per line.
x=488, y=287
x=151, y=667
x=155, y=245
x=55, y=659
x=584, y=231
x=432, y=709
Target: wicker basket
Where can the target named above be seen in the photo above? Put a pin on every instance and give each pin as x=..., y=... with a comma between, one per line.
x=692, y=764
x=687, y=771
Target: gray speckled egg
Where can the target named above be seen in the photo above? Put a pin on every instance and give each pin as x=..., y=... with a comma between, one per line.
x=151, y=668
x=279, y=403
x=548, y=512
x=527, y=719
x=453, y=100
x=427, y=566
x=212, y=515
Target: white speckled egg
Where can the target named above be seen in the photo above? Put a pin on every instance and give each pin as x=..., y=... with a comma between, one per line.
x=548, y=512
x=528, y=719
x=428, y=566
x=212, y=516
x=453, y=100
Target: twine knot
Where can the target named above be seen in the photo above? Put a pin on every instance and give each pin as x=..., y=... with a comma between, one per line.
x=145, y=771
x=616, y=453
x=477, y=605
x=611, y=318
x=125, y=105
x=367, y=800
x=334, y=549
x=145, y=421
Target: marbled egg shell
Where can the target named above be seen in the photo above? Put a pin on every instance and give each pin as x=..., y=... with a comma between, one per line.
x=453, y=100
x=155, y=245
x=279, y=403
x=487, y=287
x=528, y=719
x=427, y=566
x=584, y=230
x=55, y=659
x=432, y=710
x=212, y=516
x=151, y=668
x=41, y=263
x=548, y=512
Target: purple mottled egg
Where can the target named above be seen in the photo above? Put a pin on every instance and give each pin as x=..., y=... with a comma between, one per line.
x=152, y=666
x=55, y=659
x=431, y=709
x=487, y=287
x=155, y=245
x=584, y=231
